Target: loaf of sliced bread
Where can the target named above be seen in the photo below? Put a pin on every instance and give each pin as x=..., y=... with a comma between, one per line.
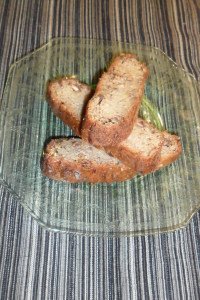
x=75, y=160
x=113, y=109
x=67, y=97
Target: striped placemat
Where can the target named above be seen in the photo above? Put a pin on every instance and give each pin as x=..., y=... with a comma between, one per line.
x=37, y=264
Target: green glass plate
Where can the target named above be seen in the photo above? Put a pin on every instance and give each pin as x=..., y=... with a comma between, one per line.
x=158, y=202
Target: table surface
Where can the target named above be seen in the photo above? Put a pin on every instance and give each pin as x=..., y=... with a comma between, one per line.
x=38, y=264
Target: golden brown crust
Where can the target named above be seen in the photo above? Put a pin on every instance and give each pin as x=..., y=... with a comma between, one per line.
x=83, y=170
x=135, y=160
x=116, y=129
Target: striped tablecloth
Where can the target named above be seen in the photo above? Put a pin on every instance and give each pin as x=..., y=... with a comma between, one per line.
x=38, y=264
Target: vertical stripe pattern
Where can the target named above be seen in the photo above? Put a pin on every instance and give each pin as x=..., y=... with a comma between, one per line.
x=37, y=264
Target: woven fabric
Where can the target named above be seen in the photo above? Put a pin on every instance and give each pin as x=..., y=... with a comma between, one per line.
x=38, y=264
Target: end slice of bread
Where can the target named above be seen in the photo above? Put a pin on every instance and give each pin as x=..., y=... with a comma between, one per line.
x=113, y=109
x=74, y=160
x=67, y=98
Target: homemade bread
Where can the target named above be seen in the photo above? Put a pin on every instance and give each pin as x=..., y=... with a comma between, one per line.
x=146, y=148
x=113, y=109
x=141, y=150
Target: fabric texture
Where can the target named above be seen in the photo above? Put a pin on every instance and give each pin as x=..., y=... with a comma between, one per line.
x=38, y=264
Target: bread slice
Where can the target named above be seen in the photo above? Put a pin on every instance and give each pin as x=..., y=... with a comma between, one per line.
x=113, y=109
x=67, y=97
x=75, y=160
x=142, y=149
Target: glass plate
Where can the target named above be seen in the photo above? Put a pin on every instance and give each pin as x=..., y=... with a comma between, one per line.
x=158, y=202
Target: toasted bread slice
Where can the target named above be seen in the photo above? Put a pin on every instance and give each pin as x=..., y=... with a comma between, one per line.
x=67, y=97
x=113, y=109
x=75, y=160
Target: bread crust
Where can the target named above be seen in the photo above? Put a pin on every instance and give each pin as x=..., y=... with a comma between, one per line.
x=114, y=130
x=83, y=170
